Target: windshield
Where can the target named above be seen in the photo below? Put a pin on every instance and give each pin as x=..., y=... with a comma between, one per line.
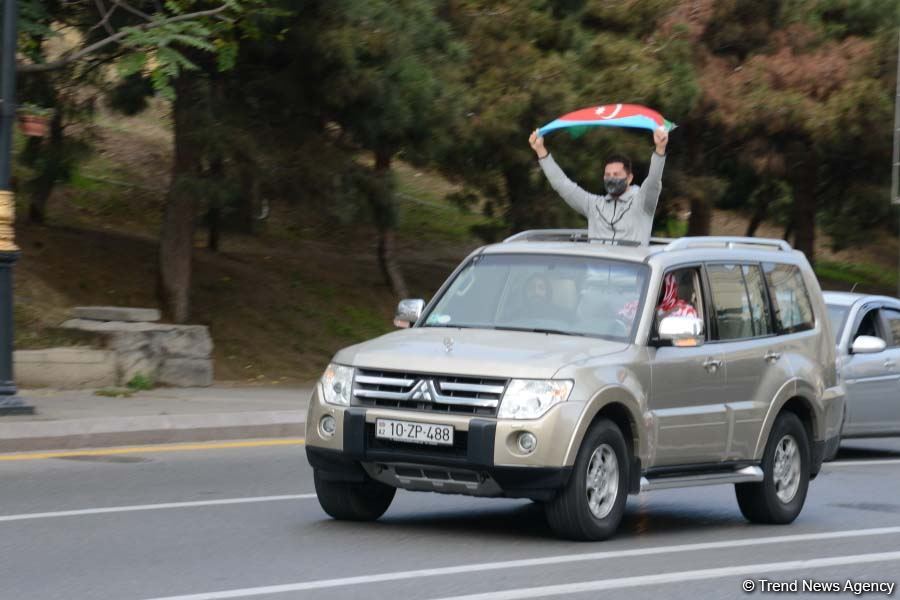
x=572, y=295
x=837, y=314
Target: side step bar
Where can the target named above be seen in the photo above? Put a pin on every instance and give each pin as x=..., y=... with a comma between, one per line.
x=745, y=475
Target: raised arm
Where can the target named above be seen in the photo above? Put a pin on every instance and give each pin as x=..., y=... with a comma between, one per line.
x=574, y=195
x=652, y=185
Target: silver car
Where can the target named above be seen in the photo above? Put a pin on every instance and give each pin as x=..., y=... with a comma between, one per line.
x=867, y=334
x=575, y=372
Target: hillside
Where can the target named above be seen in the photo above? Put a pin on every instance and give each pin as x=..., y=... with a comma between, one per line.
x=281, y=302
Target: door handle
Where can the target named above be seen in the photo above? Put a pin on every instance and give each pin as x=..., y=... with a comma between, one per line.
x=771, y=357
x=712, y=365
x=889, y=364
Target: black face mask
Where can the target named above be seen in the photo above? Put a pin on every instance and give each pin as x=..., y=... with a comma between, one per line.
x=615, y=186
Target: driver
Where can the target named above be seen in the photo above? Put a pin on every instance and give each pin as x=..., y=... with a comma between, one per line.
x=537, y=296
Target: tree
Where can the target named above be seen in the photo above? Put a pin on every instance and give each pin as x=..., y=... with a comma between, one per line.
x=163, y=43
x=387, y=72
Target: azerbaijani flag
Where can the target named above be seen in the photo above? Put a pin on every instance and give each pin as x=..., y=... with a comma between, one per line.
x=609, y=115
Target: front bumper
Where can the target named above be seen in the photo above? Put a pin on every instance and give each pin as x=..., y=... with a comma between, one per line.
x=470, y=466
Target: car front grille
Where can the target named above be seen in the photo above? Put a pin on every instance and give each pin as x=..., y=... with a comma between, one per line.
x=434, y=393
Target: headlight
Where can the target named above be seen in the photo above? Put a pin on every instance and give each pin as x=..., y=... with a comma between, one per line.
x=336, y=383
x=531, y=398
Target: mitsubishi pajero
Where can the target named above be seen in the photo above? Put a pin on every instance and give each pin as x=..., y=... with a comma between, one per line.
x=575, y=372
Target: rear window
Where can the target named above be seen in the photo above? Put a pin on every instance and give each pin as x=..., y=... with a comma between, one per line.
x=790, y=298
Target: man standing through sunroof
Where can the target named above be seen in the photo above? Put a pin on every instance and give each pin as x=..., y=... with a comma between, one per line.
x=625, y=212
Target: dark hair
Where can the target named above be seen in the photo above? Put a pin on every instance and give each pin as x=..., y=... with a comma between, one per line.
x=619, y=158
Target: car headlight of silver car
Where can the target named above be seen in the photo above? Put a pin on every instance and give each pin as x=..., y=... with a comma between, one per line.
x=531, y=398
x=337, y=382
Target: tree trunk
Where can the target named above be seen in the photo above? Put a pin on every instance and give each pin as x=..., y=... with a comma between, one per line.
x=381, y=198
x=176, y=240
x=213, y=224
x=524, y=213
x=788, y=230
x=249, y=194
x=701, y=216
x=759, y=215
x=216, y=175
x=42, y=186
x=803, y=215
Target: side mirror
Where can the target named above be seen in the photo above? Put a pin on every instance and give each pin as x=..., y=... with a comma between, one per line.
x=408, y=312
x=682, y=331
x=867, y=344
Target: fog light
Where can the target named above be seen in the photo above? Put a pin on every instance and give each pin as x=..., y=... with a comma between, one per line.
x=527, y=442
x=327, y=425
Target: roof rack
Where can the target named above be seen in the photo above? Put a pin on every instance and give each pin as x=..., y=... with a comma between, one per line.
x=565, y=235
x=549, y=235
x=727, y=242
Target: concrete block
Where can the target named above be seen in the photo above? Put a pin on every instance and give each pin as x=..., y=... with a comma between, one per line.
x=116, y=313
x=186, y=372
x=187, y=341
x=67, y=368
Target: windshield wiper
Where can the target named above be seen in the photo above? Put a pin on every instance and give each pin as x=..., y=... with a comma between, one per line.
x=541, y=330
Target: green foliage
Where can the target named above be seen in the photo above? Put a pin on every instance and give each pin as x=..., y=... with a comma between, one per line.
x=843, y=18
x=139, y=383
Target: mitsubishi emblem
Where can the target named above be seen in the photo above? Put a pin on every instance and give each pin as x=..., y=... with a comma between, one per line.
x=448, y=345
x=422, y=392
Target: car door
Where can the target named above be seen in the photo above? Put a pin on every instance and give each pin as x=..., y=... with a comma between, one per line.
x=890, y=407
x=686, y=395
x=756, y=366
x=869, y=378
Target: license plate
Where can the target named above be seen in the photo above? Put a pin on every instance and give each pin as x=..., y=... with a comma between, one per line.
x=414, y=433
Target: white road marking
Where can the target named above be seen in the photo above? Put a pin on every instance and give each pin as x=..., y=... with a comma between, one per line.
x=862, y=463
x=523, y=563
x=679, y=577
x=136, y=507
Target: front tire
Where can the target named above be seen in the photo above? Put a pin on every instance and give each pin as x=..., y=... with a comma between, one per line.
x=591, y=505
x=779, y=497
x=353, y=501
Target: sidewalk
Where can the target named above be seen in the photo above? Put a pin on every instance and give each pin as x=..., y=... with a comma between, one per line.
x=74, y=419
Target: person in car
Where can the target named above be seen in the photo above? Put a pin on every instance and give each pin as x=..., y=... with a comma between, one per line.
x=537, y=297
x=671, y=304
x=626, y=211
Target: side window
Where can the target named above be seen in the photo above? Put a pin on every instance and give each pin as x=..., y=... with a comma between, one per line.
x=680, y=295
x=732, y=312
x=868, y=325
x=759, y=304
x=892, y=318
x=793, y=311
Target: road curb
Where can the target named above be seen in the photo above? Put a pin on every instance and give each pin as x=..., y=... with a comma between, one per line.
x=72, y=434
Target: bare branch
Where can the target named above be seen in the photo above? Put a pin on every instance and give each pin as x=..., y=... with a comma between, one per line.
x=105, y=15
x=132, y=10
x=115, y=38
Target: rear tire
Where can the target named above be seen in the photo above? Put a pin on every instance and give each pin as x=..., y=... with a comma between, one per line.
x=779, y=497
x=591, y=505
x=353, y=501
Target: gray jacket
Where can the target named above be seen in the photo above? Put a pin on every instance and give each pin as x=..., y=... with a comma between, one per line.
x=628, y=217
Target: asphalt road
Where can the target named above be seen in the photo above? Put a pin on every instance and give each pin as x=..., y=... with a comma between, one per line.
x=244, y=523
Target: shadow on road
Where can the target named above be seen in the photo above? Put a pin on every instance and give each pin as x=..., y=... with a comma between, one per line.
x=526, y=521
x=866, y=453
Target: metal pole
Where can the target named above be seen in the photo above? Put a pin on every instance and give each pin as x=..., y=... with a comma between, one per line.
x=895, y=163
x=9, y=402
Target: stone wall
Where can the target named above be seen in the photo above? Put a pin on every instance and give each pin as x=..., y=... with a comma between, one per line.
x=174, y=355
